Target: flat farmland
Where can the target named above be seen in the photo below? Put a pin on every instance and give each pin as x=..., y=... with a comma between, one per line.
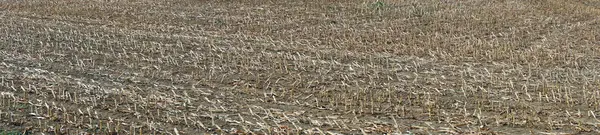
x=299, y=67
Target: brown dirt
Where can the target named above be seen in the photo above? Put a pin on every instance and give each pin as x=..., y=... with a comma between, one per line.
x=299, y=67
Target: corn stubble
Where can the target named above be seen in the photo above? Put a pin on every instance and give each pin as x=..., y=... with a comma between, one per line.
x=299, y=67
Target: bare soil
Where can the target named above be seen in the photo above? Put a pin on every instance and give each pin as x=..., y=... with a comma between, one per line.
x=299, y=67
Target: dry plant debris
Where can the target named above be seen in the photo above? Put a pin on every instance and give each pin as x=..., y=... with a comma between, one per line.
x=299, y=66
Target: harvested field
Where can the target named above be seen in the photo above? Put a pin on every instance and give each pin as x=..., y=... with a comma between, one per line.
x=299, y=67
